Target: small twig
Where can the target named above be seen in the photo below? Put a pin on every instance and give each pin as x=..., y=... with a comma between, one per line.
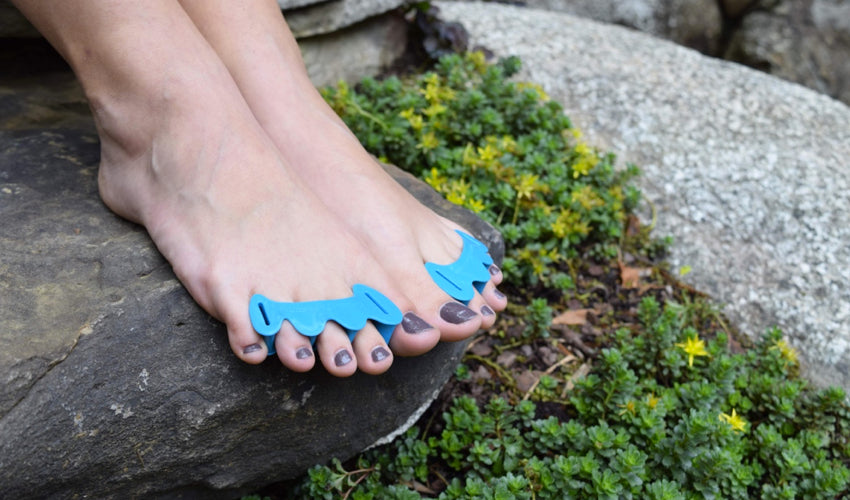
x=573, y=339
x=566, y=359
x=582, y=370
x=503, y=374
x=363, y=476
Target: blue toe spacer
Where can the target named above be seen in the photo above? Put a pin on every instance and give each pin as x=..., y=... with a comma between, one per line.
x=309, y=318
x=470, y=272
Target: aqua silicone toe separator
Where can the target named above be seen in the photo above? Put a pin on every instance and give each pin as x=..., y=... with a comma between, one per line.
x=459, y=279
x=309, y=318
x=470, y=272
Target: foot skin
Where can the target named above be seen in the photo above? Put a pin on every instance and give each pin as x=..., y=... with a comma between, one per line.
x=399, y=231
x=183, y=155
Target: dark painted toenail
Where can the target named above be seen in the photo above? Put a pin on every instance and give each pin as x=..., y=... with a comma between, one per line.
x=486, y=311
x=412, y=323
x=379, y=354
x=304, y=353
x=342, y=358
x=494, y=269
x=252, y=348
x=456, y=313
x=499, y=295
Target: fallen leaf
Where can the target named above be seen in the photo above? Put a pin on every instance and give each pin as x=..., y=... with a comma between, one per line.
x=629, y=276
x=571, y=317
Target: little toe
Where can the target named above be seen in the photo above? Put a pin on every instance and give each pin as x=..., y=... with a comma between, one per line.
x=335, y=351
x=293, y=349
x=494, y=298
x=496, y=275
x=372, y=353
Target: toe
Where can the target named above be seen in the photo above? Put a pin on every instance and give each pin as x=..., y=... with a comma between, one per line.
x=457, y=321
x=248, y=345
x=494, y=298
x=496, y=275
x=488, y=315
x=335, y=351
x=293, y=349
x=414, y=336
x=372, y=353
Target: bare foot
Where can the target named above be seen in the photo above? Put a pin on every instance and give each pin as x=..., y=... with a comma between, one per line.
x=402, y=234
x=183, y=155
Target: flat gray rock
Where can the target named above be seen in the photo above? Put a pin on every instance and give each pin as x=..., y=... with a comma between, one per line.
x=327, y=16
x=750, y=174
x=115, y=384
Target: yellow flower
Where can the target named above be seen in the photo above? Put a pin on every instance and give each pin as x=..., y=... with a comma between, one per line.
x=585, y=161
x=434, y=109
x=428, y=141
x=488, y=153
x=627, y=408
x=652, y=400
x=436, y=180
x=587, y=198
x=786, y=351
x=693, y=347
x=527, y=185
x=476, y=206
x=478, y=59
x=735, y=420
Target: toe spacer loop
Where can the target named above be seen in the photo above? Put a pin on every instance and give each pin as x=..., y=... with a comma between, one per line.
x=468, y=273
x=309, y=318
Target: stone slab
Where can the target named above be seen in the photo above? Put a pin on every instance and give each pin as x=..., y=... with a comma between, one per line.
x=115, y=384
x=749, y=174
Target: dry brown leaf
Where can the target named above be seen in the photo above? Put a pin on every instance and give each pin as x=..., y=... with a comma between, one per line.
x=629, y=276
x=571, y=317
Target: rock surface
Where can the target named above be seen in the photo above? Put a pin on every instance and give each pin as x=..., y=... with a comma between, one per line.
x=749, y=173
x=327, y=16
x=693, y=23
x=803, y=41
x=807, y=42
x=115, y=384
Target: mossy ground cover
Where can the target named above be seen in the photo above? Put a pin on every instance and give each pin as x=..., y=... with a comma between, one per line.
x=606, y=377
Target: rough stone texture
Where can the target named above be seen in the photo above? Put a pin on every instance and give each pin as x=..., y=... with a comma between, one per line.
x=115, y=384
x=807, y=42
x=326, y=17
x=749, y=173
x=353, y=53
x=694, y=23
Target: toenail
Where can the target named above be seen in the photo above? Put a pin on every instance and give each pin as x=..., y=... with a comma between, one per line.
x=456, y=313
x=499, y=295
x=412, y=323
x=486, y=311
x=252, y=348
x=379, y=354
x=494, y=269
x=342, y=358
x=303, y=353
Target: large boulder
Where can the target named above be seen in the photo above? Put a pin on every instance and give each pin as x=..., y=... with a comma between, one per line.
x=115, y=384
x=750, y=174
x=693, y=23
x=807, y=42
